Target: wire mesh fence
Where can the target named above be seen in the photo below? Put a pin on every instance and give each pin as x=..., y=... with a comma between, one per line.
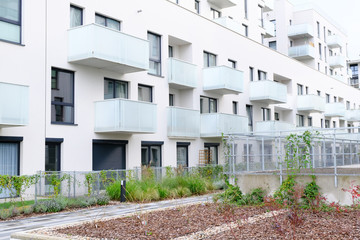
x=330, y=152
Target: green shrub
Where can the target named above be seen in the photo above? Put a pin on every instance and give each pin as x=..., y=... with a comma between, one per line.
x=286, y=190
x=256, y=196
x=28, y=210
x=102, y=199
x=183, y=191
x=40, y=208
x=5, y=214
x=53, y=206
x=311, y=192
x=114, y=189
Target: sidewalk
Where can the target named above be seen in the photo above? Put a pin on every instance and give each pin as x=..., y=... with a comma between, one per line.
x=9, y=227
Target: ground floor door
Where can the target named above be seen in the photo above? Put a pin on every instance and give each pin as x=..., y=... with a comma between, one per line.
x=9, y=162
x=109, y=155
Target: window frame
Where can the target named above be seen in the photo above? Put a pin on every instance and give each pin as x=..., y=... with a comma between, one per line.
x=158, y=61
x=197, y=6
x=233, y=63
x=214, y=12
x=235, y=107
x=82, y=14
x=300, y=120
x=58, y=103
x=151, y=92
x=186, y=146
x=246, y=30
x=106, y=21
x=266, y=114
x=148, y=145
x=114, y=89
x=209, y=109
x=17, y=23
x=208, y=54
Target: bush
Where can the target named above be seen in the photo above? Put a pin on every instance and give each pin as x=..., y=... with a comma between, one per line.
x=114, y=189
x=311, y=193
x=5, y=214
x=40, y=208
x=102, y=199
x=286, y=190
x=53, y=206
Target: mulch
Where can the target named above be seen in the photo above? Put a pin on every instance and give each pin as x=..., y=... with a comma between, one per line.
x=182, y=221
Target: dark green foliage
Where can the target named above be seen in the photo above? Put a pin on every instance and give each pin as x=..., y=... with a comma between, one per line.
x=311, y=193
x=286, y=190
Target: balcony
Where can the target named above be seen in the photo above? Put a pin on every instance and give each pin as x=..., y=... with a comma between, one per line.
x=352, y=115
x=269, y=29
x=310, y=103
x=14, y=105
x=273, y=127
x=101, y=47
x=181, y=75
x=340, y=78
x=216, y=124
x=268, y=92
x=183, y=123
x=230, y=24
x=337, y=61
x=302, y=52
x=126, y=116
x=336, y=109
x=300, y=31
x=223, y=3
x=223, y=80
x=334, y=41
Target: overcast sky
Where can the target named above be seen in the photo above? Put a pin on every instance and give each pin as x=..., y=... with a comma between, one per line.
x=346, y=14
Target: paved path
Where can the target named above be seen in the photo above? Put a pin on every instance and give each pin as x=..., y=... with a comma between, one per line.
x=9, y=227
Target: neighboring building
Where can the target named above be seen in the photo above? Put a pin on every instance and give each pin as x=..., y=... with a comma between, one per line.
x=306, y=34
x=87, y=85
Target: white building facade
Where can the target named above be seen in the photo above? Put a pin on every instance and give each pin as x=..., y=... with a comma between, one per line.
x=89, y=86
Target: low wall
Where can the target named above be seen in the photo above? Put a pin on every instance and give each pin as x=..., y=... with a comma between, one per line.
x=327, y=185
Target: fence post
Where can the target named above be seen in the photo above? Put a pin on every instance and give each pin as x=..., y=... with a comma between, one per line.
x=351, y=153
x=334, y=159
x=247, y=155
x=40, y=182
x=324, y=157
x=343, y=152
x=262, y=154
x=36, y=183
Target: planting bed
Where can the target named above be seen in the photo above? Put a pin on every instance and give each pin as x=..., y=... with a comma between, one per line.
x=213, y=221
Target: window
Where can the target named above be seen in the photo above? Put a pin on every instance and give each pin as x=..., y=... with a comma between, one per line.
x=327, y=98
x=272, y=45
x=320, y=55
x=324, y=34
x=260, y=12
x=115, y=89
x=155, y=54
x=251, y=73
x=62, y=96
x=261, y=75
x=326, y=70
x=318, y=29
x=182, y=154
x=318, y=93
x=306, y=90
x=331, y=72
x=215, y=13
x=265, y=114
x=329, y=33
x=277, y=117
x=300, y=89
x=330, y=52
x=309, y=121
x=232, y=63
x=145, y=93
x=249, y=113
x=107, y=22
x=246, y=9
x=209, y=59
x=334, y=124
x=52, y=154
x=10, y=20
x=274, y=23
x=325, y=55
x=322, y=123
x=318, y=66
x=262, y=38
x=151, y=154
x=327, y=123
x=246, y=31
x=171, y=99
x=197, y=6
x=171, y=51
x=299, y=120
x=212, y=149
x=347, y=105
x=291, y=43
x=235, y=107
x=335, y=99
x=290, y=22
x=208, y=105
x=76, y=16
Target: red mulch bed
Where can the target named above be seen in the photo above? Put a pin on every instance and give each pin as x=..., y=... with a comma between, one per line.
x=181, y=221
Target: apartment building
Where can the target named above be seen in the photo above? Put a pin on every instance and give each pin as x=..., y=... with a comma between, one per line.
x=353, y=66
x=307, y=34
x=88, y=85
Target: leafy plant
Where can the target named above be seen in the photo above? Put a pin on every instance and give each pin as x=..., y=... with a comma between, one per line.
x=311, y=193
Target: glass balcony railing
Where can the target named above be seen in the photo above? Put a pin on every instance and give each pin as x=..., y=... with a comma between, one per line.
x=336, y=109
x=334, y=41
x=337, y=61
x=300, y=31
x=273, y=127
x=101, y=47
x=183, y=123
x=302, y=52
x=223, y=3
x=123, y=115
x=14, y=105
x=181, y=75
x=267, y=91
x=352, y=115
x=223, y=80
x=216, y=124
x=310, y=103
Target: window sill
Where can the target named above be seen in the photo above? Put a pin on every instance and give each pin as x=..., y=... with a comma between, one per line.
x=151, y=74
x=14, y=43
x=64, y=123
